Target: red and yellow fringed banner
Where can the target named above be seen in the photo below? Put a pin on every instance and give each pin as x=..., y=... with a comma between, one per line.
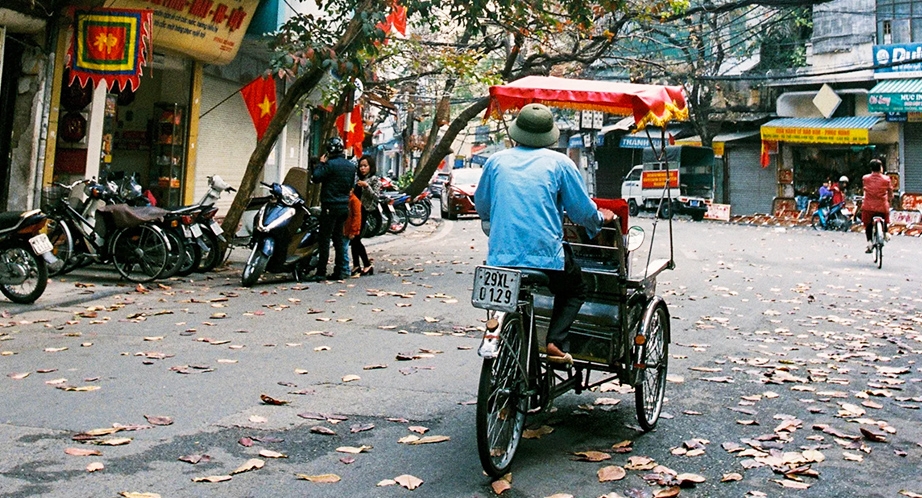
x=111, y=46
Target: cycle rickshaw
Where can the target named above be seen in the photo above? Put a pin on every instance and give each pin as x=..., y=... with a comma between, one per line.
x=622, y=331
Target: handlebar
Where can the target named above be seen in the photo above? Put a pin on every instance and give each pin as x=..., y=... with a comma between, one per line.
x=72, y=185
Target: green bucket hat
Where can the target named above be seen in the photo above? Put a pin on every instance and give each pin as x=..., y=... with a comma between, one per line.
x=534, y=127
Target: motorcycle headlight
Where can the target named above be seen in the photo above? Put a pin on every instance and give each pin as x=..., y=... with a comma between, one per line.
x=290, y=196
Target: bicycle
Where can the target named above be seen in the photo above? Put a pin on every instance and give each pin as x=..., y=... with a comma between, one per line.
x=117, y=234
x=878, y=239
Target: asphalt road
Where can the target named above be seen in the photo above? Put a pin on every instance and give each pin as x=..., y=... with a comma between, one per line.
x=781, y=338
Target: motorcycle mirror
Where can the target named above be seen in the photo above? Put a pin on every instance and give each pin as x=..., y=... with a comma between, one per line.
x=635, y=236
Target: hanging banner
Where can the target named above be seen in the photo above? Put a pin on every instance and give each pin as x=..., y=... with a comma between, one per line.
x=109, y=46
x=210, y=31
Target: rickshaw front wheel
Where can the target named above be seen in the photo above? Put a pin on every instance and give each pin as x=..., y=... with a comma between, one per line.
x=501, y=400
x=651, y=360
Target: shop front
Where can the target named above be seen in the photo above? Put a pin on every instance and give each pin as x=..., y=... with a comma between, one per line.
x=148, y=124
x=898, y=95
x=810, y=151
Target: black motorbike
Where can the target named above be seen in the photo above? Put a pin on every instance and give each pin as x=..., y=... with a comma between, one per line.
x=25, y=254
x=285, y=236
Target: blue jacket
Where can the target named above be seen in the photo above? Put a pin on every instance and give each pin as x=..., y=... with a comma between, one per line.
x=337, y=177
x=523, y=193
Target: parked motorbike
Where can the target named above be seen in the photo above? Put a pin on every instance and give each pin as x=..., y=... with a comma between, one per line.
x=419, y=209
x=285, y=236
x=832, y=217
x=25, y=253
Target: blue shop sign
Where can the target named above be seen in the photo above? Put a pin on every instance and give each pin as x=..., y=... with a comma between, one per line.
x=475, y=159
x=899, y=54
x=639, y=142
x=897, y=117
x=576, y=142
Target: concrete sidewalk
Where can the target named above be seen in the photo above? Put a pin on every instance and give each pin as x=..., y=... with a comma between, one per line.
x=100, y=281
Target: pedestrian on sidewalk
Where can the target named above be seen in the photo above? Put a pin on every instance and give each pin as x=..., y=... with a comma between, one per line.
x=336, y=174
x=368, y=189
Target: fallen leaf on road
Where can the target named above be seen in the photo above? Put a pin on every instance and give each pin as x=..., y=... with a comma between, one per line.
x=158, y=420
x=319, y=429
x=351, y=378
x=258, y=419
x=361, y=428
x=251, y=464
x=82, y=452
x=386, y=482
x=374, y=367
x=194, y=459
x=430, y=440
x=408, y=481
x=245, y=441
x=132, y=494
x=611, y=473
x=271, y=454
x=418, y=429
x=320, y=478
x=669, y=492
x=733, y=476
x=640, y=463
x=787, y=483
x=212, y=479
x=18, y=376
x=591, y=456
x=353, y=450
x=686, y=479
x=852, y=457
x=537, y=433
x=116, y=441
x=269, y=400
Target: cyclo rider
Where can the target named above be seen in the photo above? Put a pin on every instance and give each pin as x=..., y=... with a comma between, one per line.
x=523, y=194
x=877, y=193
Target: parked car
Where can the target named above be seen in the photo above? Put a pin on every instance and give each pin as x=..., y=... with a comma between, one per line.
x=437, y=186
x=458, y=196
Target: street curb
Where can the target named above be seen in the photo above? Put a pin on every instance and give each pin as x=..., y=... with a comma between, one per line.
x=63, y=299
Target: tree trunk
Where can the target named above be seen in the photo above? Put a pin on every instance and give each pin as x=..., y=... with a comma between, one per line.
x=302, y=86
x=421, y=180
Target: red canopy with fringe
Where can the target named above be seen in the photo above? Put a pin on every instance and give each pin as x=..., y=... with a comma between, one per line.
x=649, y=104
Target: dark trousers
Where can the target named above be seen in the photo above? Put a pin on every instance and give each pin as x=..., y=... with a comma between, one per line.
x=359, y=254
x=332, y=219
x=569, y=294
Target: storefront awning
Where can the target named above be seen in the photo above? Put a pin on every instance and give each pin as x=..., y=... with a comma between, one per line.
x=717, y=143
x=896, y=96
x=848, y=130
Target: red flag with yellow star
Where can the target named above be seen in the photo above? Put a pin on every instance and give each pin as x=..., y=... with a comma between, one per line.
x=259, y=97
x=353, y=131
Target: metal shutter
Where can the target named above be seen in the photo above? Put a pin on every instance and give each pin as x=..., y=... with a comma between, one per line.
x=752, y=187
x=912, y=170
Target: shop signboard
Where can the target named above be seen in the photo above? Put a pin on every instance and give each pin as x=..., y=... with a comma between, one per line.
x=897, y=60
x=210, y=31
x=720, y=212
x=657, y=179
x=639, y=142
x=815, y=135
x=905, y=217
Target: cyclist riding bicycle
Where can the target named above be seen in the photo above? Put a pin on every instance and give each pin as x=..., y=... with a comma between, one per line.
x=877, y=193
x=523, y=193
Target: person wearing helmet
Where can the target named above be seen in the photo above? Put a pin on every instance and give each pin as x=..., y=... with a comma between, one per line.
x=839, y=189
x=336, y=174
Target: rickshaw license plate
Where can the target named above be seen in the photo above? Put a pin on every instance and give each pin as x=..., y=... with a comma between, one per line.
x=41, y=244
x=496, y=288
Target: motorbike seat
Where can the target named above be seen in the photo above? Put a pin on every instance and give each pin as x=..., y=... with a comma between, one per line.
x=534, y=277
x=10, y=219
x=186, y=209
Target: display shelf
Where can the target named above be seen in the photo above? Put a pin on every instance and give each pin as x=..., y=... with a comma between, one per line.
x=167, y=154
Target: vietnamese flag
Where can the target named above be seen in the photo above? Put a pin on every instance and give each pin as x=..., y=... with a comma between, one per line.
x=353, y=131
x=259, y=97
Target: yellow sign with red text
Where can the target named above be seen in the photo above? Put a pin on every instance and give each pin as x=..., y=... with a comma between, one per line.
x=815, y=135
x=210, y=31
x=657, y=179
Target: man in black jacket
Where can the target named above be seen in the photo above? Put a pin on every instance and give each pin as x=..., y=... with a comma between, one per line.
x=337, y=176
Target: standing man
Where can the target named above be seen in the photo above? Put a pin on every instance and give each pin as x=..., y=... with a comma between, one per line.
x=523, y=194
x=336, y=174
x=877, y=194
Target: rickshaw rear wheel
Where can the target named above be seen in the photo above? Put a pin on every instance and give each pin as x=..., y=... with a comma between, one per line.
x=653, y=356
x=501, y=402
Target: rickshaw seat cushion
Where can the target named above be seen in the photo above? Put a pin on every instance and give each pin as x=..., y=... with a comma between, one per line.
x=619, y=206
x=534, y=277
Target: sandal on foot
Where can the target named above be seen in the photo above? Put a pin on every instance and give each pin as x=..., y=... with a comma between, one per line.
x=566, y=359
